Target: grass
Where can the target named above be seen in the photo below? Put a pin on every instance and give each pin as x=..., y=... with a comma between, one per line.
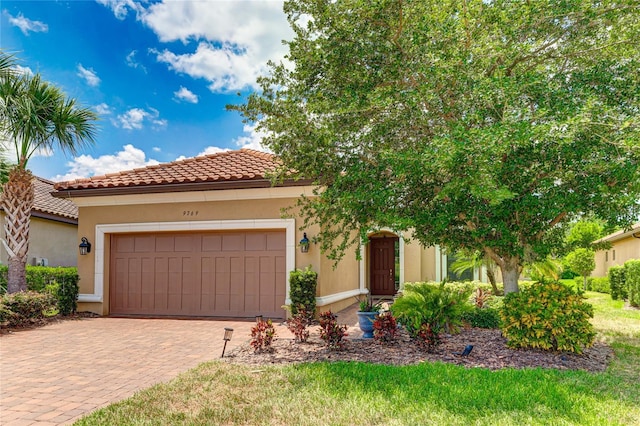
x=429, y=393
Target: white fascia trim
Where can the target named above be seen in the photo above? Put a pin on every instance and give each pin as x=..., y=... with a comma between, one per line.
x=195, y=196
x=206, y=225
x=337, y=297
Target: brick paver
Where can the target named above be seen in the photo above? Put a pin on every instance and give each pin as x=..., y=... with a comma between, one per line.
x=58, y=373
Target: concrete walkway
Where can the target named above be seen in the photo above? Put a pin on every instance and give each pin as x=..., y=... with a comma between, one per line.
x=58, y=373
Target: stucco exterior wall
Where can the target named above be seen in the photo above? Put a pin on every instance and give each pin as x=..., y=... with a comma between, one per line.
x=620, y=251
x=180, y=209
x=55, y=241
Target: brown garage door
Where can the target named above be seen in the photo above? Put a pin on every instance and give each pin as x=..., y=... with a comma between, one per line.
x=225, y=274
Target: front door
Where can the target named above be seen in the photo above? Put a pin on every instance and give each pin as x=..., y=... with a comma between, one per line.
x=382, y=256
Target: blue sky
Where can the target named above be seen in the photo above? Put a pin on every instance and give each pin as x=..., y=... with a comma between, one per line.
x=158, y=73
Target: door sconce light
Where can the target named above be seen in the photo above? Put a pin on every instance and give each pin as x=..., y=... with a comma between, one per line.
x=304, y=243
x=85, y=246
x=228, y=332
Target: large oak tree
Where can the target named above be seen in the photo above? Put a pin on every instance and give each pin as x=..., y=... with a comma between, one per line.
x=477, y=125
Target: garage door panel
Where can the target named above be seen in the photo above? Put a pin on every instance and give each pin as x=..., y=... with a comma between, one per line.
x=233, y=242
x=226, y=274
x=165, y=243
x=144, y=244
x=211, y=243
x=256, y=242
x=276, y=241
x=184, y=243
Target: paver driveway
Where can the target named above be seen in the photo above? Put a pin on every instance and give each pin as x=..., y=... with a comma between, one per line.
x=60, y=372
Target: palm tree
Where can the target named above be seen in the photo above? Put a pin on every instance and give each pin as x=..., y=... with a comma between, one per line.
x=35, y=115
x=477, y=260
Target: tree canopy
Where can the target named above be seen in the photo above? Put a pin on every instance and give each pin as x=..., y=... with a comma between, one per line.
x=477, y=125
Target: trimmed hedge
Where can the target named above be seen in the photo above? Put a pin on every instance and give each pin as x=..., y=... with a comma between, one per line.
x=25, y=307
x=599, y=284
x=302, y=290
x=617, y=282
x=61, y=282
x=632, y=279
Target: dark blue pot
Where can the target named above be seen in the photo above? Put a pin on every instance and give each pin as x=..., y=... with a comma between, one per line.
x=365, y=321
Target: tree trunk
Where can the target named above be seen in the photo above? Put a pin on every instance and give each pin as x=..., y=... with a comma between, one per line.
x=585, y=283
x=17, y=201
x=492, y=280
x=510, y=269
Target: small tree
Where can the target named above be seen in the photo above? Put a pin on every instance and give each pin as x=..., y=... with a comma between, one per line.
x=583, y=262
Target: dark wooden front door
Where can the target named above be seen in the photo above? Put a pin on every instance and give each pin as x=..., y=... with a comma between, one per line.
x=382, y=258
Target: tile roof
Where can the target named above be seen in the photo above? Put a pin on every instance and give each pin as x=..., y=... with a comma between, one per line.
x=44, y=202
x=244, y=165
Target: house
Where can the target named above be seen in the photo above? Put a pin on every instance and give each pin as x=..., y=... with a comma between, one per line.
x=53, y=229
x=205, y=236
x=625, y=245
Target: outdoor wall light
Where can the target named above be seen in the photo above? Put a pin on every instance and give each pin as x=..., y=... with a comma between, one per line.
x=85, y=246
x=228, y=332
x=304, y=243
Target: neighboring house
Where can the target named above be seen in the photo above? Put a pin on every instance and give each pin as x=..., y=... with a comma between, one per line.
x=53, y=231
x=625, y=245
x=206, y=237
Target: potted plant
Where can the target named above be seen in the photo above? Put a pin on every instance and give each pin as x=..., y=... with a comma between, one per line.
x=366, y=315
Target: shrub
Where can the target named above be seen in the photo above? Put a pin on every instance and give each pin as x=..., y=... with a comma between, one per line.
x=599, y=284
x=66, y=295
x=481, y=297
x=38, y=277
x=332, y=333
x=262, y=335
x=25, y=308
x=617, y=282
x=632, y=280
x=298, y=324
x=439, y=306
x=547, y=316
x=302, y=291
x=427, y=338
x=385, y=328
x=482, y=317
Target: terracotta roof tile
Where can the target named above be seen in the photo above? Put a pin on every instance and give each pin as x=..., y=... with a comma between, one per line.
x=44, y=202
x=242, y=165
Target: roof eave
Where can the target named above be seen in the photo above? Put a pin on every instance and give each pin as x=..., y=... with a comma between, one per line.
x=177, y=187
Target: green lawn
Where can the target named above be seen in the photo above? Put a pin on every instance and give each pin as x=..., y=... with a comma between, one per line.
x=363, y=394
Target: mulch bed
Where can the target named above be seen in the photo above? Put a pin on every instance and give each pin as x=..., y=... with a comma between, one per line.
x=489, y=351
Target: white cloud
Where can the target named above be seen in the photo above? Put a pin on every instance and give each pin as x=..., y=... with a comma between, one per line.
x=135, y=119
x=186, y=95
x=120, y=8
x=89, y=75
x=253, y=140
x=207, y=151
x=236, y=39
x=26, y=25
x=23, y=70
x=86, y=165
x=103, y=109
x=156, y=149
x=133, y=63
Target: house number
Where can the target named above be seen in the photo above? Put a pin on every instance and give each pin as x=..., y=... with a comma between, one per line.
x=190, y=213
